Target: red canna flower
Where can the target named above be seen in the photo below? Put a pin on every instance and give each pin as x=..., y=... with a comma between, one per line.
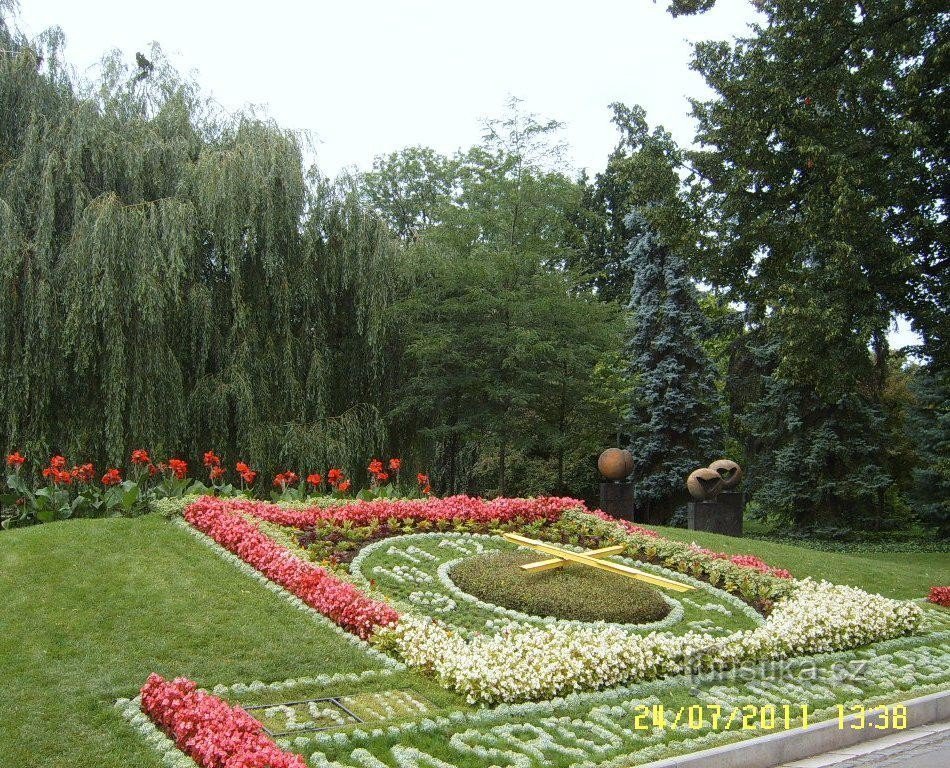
x=15, y=460
x=112, y=477
x=344, y=486
x=375, y=466
x=57, y=462
x=315, y=479
x=382, y=477
x=395, y=464
x=178, y=468
x=247, y=474
x=335, y=477
x=422, y=479
x=83, y=474
x=285, y=478
x=211, y=459
x=216, y=473
x=140, y=456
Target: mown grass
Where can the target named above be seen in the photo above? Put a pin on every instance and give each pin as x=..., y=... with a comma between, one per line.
x=91, y=607
x=894, y=574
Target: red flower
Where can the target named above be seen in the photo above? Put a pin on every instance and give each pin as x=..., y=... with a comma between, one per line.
x=382, y=477
x=112, y=477
x=247, y=474
x=208, y=729
x=344, y=486
x=216, y=473
x=315, y=479
x=335, y=476
x=178, y=468
x=422, y=479
x=211, y=459
x=15, y=460
x=940, y=596
x=395, y=464
x=375, y=466
x=57, y=472
x=140, y=456
x=284, y=479
x=83, y=474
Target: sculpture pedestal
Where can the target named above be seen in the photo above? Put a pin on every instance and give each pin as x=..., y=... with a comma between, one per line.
x=722, y=515
x=616, y=499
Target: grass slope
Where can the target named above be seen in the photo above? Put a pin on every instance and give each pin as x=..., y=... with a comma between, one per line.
x=91, y=607
x=894, y=574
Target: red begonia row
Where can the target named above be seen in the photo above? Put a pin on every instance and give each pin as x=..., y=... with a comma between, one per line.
x=449, y=509
x=338, y=600
x=940, y=596
x=208, y=729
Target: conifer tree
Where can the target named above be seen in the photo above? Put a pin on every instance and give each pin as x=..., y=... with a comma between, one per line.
x=675, y=418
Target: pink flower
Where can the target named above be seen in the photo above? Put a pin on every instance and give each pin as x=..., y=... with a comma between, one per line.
x=208, y=729
x=940, y=596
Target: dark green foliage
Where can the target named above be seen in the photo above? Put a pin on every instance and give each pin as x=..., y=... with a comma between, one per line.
x=928, y=424
x=174, y=282
x=676, y=412
x=505, y=350
x=573, y=592
x=826, y=166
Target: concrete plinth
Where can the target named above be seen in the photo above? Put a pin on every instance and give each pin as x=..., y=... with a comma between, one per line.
x=617, y=499
x=722, y=515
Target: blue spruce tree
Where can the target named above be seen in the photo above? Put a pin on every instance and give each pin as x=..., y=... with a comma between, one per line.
x=675, y=418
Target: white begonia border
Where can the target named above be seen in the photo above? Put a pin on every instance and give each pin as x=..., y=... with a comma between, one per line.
x=541, y=662
x=520, y=618
x=296, y=602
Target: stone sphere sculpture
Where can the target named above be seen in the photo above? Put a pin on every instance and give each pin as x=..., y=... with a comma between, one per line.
x=729, y=471
x=615, y=464
x=704, y=484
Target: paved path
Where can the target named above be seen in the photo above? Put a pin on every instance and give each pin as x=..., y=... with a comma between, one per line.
x=927, y=746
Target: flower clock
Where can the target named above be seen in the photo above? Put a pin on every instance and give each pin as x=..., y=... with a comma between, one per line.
x=547, y=662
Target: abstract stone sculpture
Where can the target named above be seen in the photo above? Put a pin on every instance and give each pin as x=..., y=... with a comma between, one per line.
x=708, y=482
x=729, y=471
x=615, y=464
x=704, y=484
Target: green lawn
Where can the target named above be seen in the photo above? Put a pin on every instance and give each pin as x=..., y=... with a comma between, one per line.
x=894, y=574
x=91, y=607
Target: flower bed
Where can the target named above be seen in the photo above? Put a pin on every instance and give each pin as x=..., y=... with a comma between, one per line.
x=530, y=662
x=212, y=732
x=536, y=663
x=339, y=600
x=940, y=596
x=432, y=511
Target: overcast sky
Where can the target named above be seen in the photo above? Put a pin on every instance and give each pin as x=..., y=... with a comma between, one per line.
x=366, y=77
x=369, y=76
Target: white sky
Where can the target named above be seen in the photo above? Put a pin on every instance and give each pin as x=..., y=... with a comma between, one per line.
x=367, y=77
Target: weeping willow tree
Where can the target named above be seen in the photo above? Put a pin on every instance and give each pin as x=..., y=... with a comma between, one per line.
x=171, y=278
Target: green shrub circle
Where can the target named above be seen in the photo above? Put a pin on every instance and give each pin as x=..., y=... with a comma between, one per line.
x=575, y=592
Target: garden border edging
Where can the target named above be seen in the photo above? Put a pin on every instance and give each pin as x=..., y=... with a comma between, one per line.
x=788, y=746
